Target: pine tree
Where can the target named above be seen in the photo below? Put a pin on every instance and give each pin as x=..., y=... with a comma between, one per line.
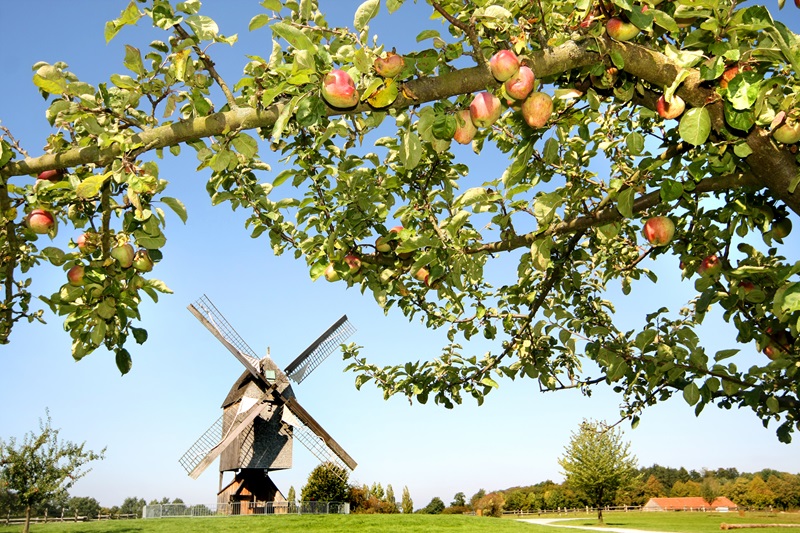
x=597, y=463
x=407, y=503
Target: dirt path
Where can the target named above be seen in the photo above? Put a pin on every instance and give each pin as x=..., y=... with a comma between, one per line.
x=550, y=522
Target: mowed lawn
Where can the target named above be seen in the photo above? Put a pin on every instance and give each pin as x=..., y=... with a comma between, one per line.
x=672, y=522
x=690, y=522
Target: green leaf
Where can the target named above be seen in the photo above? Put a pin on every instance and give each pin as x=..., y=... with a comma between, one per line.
x=90, y=187
x=695, y=126
x=139, y=334
x=245, y=145
x=177, y=206
x=49, y=79
x=724, y=354
x=545, y=206
x=272, y=5
x=671, y=190
x=258, y=21
x=410, y=150
x=283, y=119
x=635, y=143
x=294, y=37
x=6, y=153
x=625, y=202
x=393, y=5
x=427, y=34
x=489, y=382
x=56, y=256
x=540, y=253
x=124, y=362
x=365, y=13
x=617, y=59
x=664, y=20
x=133, y=60
x=204, y=27
x=129, y=15
x=691, y=393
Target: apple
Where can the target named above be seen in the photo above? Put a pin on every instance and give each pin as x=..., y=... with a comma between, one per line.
x=40, y=221
x=788, y=133
x=123, y=253
x=781, y=228
x=670, y=110
x=485, y=109
x=659, y=230
x=536, y=109
x=520, y=85
x=75, y=275
x=389, y=66
x=142, y=261
x=339, y=90
x=353, y=262
x=465, y=128
x=383, y=243
x=423, y=275
x=620, y=30
x=86, y=244
x=728, y=75
x=504, y=64
x=777, y=343
x=331, y=274
x=51, y=175
x=710, y=266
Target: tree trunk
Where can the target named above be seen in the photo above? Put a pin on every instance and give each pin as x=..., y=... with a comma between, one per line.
x=27, y=526
x=600, y=514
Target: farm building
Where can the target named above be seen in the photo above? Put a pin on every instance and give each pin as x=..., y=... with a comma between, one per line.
x=694, y=503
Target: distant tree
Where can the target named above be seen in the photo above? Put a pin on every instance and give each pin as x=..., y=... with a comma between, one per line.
x=42, y=466
x=292, y=496
x=709, y=489
x=597, y=462
x=133, y=506
x=652, y=488
x=406, y=503
x=390, y=499
x=728, y=474
x=436, y=506
x=554, y=498
x=737, y=491
x=759, y=494
x=459, y=500
x=326, y=483
x=781, y=490
x=683, y=489
x=377, y=491
x=491, y=505
x=83, y=506
x=475, y=497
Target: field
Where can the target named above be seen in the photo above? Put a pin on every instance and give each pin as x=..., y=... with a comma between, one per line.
x=672, y=522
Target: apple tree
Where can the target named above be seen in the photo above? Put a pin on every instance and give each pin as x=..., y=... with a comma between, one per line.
x=633, y=132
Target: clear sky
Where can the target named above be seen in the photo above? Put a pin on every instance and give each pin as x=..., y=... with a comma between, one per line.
x=149, y=417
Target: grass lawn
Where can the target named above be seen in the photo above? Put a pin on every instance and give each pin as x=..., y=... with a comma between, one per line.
x=299, y=524
x=687, y=522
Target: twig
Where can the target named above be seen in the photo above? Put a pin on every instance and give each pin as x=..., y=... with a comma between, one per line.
x=209, y=64
x=468, y=30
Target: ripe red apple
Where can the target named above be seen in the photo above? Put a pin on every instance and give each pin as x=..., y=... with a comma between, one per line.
x=670, y=110
x=485, y=109
x=465, y=129
x=797, y=3
x=389, y=66
x=51, y=175
x=75, y=275
x=504, y=64
x=728, y=75
x=383, y=243
x=788, y=133
x=781, y=228
x=331, y=274
x=710, y=266
x=142, y=261
x=423, y=275
x=86, y=244
x=339, y=90
x=620, y=30
x=659, y=230
x=536, y=109
x=353, y=262
x=40, y=221
x=520, y=85
x=123, y=254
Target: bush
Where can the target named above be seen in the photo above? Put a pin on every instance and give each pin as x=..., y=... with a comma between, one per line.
x=491, y=505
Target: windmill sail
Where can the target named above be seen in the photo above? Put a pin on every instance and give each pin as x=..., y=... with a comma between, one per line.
x=211, y=443
x=321, y=348
x=212, y=319
x=316, y=439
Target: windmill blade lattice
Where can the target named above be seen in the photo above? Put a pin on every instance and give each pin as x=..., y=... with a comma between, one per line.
x=321, y=348
x=207, y=313
x=315, y=445
x=202, y=446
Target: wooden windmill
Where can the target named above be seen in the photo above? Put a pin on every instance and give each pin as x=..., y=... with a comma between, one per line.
x=261, y=416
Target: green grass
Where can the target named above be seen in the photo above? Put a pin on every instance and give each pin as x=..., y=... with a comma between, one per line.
x=689, y=522
x=297, y=524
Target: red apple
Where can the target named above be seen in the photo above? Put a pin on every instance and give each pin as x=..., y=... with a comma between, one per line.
x=536, y=109
x=503, y=65
x=51, y=175
x=339, y=90
x=659, y=230
x=123, y=254
x=383, y=243
x=331, y=274
x=423, y=275
x=40, y=221
x=728, y=75
x=142, y=261
x=465, y=129
x=620, y=30
x=670, y=110
x=710, y=266
x=520, y=85
x=85, y=243
x=353, y=262
x=75, y=275
x=389, y=66
x=485, y=109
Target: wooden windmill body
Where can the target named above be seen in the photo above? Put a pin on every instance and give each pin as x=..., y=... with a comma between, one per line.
x=261, y=417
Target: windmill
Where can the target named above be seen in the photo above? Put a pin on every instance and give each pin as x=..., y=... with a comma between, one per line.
x=261, y=416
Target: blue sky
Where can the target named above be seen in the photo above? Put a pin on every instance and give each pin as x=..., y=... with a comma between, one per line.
x=181, y=375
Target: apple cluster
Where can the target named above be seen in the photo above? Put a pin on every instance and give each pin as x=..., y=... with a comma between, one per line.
x=339, y=90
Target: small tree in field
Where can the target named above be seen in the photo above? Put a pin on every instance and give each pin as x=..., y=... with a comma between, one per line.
x=41, y=467
x=407, y=503
x=292, y=496
x=326, y=483
x=597, y=463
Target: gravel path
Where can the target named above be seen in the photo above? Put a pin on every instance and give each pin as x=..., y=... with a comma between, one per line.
x=550, y=522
